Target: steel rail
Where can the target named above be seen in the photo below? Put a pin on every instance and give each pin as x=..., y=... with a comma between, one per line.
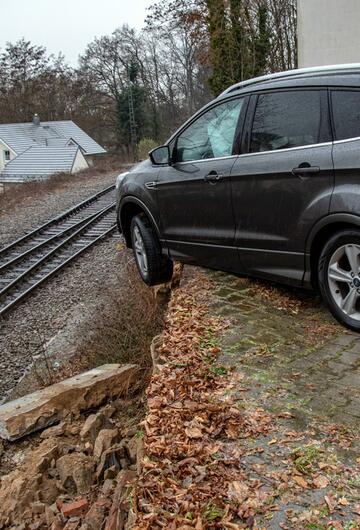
x=23, y=255
x=33, y=263
x=61, y=245
x=54, y=271
x=57, y=219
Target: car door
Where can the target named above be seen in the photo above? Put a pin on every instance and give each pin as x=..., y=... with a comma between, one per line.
x=346, y=121
x=194, y=192
x=283, y=181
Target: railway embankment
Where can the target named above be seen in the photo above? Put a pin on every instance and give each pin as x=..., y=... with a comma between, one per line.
x=93, y=313
x=77, y=319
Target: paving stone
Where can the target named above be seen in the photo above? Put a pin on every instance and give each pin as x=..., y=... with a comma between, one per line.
x=349, y=357
x=328, y=372
x=345, y=339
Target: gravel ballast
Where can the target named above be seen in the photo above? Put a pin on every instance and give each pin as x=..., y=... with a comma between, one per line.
x=40, y=207
x=26, y=329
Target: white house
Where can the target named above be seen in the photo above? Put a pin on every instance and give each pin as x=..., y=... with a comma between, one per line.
x=37, y=149
x=328, y=32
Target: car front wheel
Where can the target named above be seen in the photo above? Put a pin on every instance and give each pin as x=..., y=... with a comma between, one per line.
x=339, y=277
x=154, y=268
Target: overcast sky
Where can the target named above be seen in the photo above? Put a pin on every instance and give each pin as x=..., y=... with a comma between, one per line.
x=67, y=25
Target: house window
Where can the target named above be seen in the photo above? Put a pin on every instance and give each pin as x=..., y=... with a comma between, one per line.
x=7, y=156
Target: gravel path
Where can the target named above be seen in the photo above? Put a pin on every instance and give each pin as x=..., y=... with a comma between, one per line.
x=25, y=330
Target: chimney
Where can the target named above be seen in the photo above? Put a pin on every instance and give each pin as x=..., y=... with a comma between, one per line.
x=36, y=119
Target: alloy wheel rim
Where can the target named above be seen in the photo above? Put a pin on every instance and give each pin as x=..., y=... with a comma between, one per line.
x=140, y=252
x=344, y=279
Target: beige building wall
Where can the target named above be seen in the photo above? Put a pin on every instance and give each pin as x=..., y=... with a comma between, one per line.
x=79, y=162
x=3, y=149
x=328, y=32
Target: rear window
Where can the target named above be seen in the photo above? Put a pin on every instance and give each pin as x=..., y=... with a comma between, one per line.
x=287, y=119
x=346, y=113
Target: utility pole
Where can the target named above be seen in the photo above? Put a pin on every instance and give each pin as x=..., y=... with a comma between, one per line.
x=132, y=122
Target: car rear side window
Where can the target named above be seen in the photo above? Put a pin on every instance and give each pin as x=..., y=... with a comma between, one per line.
x=346, y=113
x=211, y=135
x=288, y=119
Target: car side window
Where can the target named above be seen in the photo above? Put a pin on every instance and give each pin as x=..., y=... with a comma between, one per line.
x=211, y=135
x=346, y=113
x=286, y=119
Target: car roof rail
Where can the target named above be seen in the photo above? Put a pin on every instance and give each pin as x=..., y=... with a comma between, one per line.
x=293, y=73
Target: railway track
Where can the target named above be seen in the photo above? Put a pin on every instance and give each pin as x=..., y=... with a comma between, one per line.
x=31, y=260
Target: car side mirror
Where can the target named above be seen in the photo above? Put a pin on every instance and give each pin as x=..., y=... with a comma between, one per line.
x=160, y=155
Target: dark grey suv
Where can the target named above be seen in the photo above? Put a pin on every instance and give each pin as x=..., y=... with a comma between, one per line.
x=263, y=181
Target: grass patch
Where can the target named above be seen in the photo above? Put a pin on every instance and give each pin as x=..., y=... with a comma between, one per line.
x=212, y=512
x=306, y=458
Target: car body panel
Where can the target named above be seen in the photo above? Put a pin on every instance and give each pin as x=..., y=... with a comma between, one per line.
x=346, y=198
x=275, y=210
x=259, y=219
x=192, y=223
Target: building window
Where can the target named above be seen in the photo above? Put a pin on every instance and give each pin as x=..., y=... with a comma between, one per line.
x=7, y=156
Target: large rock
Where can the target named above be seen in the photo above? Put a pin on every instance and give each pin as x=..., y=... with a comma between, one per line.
x=114, y=457
x=105, y=439
x=76, y=472
x=23, y=487
x=93, y=425
x=49, y=405
x=95, y=516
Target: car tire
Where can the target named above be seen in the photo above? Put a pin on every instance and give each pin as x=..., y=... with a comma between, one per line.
x=154, y=268
x=339, y=277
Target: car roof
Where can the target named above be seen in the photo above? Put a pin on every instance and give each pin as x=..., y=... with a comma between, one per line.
x=338, y=75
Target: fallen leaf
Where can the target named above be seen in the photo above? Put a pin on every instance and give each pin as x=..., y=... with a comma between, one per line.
x=272, y=442
x=343, y=501
x=336, y=525
x=193, y=432
x=329, y=502
x=320, y=482
x=238, y=490
x=285, y=415
x=300, y=481
x=199, y=525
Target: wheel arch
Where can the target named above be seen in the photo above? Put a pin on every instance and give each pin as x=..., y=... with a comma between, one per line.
x=128, y=208
x=321, y=233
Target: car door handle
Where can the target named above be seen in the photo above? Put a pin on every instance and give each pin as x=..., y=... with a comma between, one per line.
x=304, y=170
x=150, y=185
x=213, y=177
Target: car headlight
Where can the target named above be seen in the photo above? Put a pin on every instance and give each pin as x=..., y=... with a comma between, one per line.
x=120, y=177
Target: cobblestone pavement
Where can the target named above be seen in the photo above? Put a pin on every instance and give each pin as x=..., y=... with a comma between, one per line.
x=287, y=341
x=290, y=359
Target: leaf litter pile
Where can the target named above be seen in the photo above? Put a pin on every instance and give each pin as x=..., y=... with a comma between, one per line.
x=213, y=459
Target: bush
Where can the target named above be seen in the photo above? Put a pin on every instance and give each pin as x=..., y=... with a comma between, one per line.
x=146, y=145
